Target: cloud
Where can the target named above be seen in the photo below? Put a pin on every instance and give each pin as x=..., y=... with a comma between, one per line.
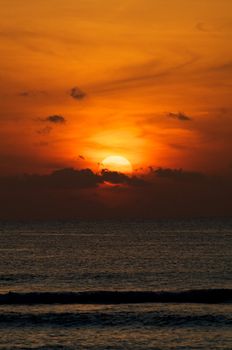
x=77, y=93
x=143, y=74
x=62, y=178
x=52, y=119
x=70, y=193
x=178, y=174
x=203, y=27
x=115, y=177
x=44, y=131
x=55, y=119
x=69, y=177
x=224, y=67
x=41, y=144
x=210, y=27
x=179, y=116
x=73, y=178
x=32, y=39
x=178, y=146
x=81, y=157
x=31, y=93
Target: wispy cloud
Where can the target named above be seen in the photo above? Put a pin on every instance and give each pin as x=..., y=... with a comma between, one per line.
x=212, y=27
x=179, y=116
x=223, y=67
x=31, y=93
x=142, y=74
x=77, y=93
x=55, y=119
x=44, y=131
x=52, y=119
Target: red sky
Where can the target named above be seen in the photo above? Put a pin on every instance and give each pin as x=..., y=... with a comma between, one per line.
x=149, y=80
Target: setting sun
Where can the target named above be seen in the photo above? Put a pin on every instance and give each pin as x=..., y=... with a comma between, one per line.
x=115, y=167
x=117, y=163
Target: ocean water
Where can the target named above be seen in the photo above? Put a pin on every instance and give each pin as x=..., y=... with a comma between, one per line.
x=116, y=285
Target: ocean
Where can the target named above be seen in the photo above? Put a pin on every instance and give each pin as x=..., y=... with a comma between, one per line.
x=116, y=285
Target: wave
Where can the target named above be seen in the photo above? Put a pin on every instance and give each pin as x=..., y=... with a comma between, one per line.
x=25, y=277
x=206, y=296
x=112, y=319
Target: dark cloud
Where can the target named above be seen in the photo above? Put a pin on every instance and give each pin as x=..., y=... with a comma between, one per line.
x=115, y=177
x=69, y=177
x=78, y=194
x=179, y=116
x=62, y=178
x=55, y=119
x=74, y=178
x=81, y=157
x=77, y=93
x=178, y=174
x=86, y=178
x=52, y=119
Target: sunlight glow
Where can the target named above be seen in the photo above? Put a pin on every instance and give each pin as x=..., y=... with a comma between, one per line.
x=117, y=163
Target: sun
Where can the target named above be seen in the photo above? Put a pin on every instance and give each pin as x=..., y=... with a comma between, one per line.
x=117, y=163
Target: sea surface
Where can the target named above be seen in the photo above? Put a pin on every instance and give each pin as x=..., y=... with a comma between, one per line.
x=116, y=285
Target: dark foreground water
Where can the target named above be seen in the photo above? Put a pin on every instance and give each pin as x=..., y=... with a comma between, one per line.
x=112, y=285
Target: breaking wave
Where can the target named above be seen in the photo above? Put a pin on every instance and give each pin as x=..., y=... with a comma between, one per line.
x=206, y=296
x=112, y=319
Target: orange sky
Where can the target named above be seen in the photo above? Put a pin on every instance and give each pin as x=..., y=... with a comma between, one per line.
x=151, y=81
